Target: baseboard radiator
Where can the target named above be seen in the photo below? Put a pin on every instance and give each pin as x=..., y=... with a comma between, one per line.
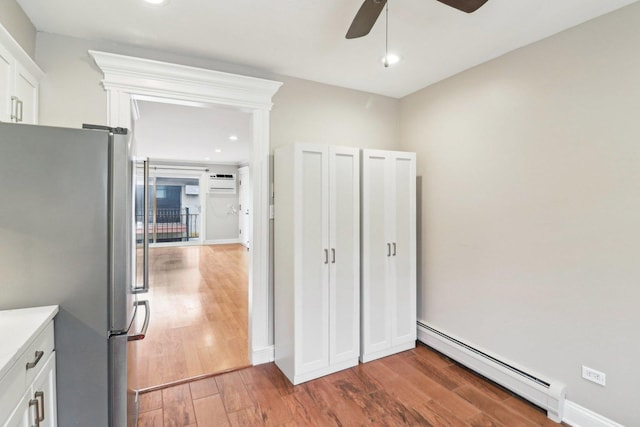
x=549, y=395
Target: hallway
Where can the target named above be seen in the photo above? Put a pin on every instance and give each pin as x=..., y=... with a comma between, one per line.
x=199, y=314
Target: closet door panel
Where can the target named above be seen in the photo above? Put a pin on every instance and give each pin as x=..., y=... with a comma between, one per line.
x=404, y=250
x=344, y=176
x=312, y=295
x=376, y=321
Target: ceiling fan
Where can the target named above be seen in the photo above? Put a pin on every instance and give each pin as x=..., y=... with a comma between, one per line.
x=370, y=10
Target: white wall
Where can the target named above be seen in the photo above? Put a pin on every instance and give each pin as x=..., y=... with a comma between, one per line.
x=530, y=170
x=18, y=24
x=222, y=222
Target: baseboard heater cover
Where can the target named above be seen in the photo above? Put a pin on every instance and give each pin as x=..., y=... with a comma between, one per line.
x=549, y=395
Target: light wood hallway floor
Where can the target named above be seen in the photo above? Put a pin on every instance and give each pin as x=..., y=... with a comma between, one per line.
x=199, y=314
x=415, y=388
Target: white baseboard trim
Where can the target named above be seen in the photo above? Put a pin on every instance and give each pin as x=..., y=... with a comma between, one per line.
x=222, y=241
x=263, y=355
x=546, y=393
x=578, y=416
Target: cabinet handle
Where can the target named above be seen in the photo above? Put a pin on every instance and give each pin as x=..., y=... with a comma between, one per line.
x=326, y=256
x=39, y=354
x=34, y=402
x=19, y=119
x=14, y=108
x=333, y=255
x=40, y=395
x=394, y=248
x=388, y=249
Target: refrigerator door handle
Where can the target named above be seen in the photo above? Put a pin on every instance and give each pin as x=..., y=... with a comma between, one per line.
x=145, y=280
x=145, y=232
x=145, y=325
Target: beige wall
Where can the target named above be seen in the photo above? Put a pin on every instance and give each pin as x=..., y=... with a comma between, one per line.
x=303, y=111
x=530, y=168
x=16, y=22
x=306, y=111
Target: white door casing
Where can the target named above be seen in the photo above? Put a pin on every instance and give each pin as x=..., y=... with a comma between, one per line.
x=244, y=209
x=128, y=78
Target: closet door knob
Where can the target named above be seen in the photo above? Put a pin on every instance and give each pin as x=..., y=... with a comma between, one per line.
x=333, y=255
x=394, y=248
x=326, y=256
x=388, y=249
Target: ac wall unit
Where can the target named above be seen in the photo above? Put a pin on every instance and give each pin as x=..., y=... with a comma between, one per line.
x=222, y=183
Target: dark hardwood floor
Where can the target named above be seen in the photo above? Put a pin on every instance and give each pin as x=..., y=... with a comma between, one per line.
x=414, y=388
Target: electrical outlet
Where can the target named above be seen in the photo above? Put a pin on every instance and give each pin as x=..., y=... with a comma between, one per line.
x=594, y=376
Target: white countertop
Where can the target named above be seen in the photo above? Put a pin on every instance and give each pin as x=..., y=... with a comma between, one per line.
x=18, y=329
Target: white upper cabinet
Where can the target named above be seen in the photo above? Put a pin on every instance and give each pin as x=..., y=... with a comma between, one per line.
x=388, y=253
x=317, y=263
x=19, y=87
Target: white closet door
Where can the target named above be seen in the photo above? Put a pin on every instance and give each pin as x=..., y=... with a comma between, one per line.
x=312, y=272
x=376, y=260
x=403, y=282
x=344, y=220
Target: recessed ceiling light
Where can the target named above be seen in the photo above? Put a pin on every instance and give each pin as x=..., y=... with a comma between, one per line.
x=218, y=150
x=390, y=59
x=233, y=137
x=155, y=1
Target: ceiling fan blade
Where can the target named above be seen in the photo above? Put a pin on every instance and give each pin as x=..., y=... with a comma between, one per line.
x=365, y=18
x=468, y=6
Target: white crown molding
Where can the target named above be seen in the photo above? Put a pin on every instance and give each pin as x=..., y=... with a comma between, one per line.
x=155, y=78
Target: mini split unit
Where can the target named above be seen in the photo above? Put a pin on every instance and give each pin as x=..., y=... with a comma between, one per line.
x=222, y=183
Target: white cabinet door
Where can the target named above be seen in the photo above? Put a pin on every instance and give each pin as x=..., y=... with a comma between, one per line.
x=23, y=414
x=26, y=89
x=388, y=253
x=316, y=260
x=403, y=279
x=312, y=246
x=344, y=238
x=376, y=309
x=6, y=84
x=44, y=390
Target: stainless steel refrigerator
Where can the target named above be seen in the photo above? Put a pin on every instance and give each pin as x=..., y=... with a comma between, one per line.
x=67, y=237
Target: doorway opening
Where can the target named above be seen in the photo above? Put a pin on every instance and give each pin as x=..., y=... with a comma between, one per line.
x=127, y=78
x=198, y=157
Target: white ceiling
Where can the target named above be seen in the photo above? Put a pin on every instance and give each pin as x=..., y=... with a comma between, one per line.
x=193, y=134
x=305, y=38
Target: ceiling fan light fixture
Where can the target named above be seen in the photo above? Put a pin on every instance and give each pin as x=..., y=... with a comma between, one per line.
x=390, y=59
